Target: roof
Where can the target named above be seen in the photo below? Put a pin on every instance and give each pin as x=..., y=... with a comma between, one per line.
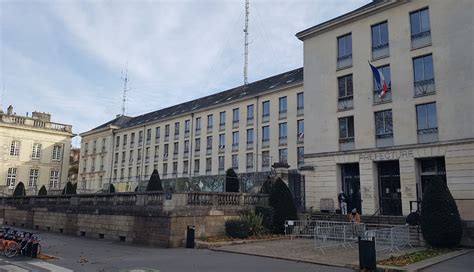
x=283, y=80
x=305, y=33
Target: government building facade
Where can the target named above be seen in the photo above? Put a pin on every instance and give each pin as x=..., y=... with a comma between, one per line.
x=35, y=151
x=382, y=150
x=247, y=128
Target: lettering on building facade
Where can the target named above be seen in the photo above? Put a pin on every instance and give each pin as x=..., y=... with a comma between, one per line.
x=386, y=156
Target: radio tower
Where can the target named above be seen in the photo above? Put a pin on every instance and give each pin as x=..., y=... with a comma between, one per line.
x=124, y=97
x=246, y=43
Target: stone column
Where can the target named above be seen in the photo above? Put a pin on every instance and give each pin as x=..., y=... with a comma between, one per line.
x=281, y=170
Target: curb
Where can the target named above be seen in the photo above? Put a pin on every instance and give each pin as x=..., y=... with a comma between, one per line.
x=207, y=245
x=279, y=258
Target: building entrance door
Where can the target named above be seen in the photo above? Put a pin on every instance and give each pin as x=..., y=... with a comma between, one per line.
x=390, y=195
x=351, y=186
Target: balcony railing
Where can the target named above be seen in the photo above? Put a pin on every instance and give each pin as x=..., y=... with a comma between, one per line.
x=344, y=61
x=424, y=87
x=421, y=39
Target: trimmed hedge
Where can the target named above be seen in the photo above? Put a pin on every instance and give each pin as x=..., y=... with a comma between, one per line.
x=237, y=229
x=440, y=221
x=154, y=184
x=282, y=201
x=231, y=181
x=42, y=191
x=19, y=189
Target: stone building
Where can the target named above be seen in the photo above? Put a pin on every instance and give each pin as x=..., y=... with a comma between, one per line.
x=381, y=151
x=247, y=128
x=35, y=151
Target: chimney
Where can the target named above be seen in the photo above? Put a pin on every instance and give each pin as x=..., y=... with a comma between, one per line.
x=10, y=110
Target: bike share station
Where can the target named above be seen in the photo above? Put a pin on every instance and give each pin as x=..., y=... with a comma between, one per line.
x=23, y=243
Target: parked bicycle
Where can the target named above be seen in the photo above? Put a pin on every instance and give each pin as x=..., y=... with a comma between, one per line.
x=24, y=243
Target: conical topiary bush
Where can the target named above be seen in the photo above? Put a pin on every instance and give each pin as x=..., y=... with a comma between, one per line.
x=19, y=189
x=440, y=221
x=69, y=189
x=111, y=188
x=282, y=202
x=231, y=181
x=42, y=191
x=154, y=184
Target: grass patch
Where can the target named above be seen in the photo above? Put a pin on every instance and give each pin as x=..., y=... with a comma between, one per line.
x=223, y=238
x=414, y=257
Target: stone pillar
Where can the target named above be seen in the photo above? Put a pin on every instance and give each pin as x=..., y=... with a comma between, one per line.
x=281, y=170
x=310, y=187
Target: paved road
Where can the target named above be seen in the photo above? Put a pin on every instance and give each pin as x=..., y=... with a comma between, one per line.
x=463, y=263
x=83, y=254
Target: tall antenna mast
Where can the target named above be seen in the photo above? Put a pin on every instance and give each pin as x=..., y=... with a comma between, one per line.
x=246, y=43
x=124, y=97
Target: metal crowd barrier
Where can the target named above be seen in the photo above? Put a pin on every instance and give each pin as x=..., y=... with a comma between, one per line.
x=390, y=239
x=305, y=228
x=336, y=235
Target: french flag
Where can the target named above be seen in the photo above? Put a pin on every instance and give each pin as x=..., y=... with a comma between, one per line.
x=380, y=80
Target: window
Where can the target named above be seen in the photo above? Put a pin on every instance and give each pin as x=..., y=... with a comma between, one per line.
x=266, y=135
x=186, y=146
x=157, y=134
x=346, y=129
x=103, y=145
x=148, y=135
x=11, y=177
x=283, y=132
x=34, y=173
x=167, y=131
x=235, y=139
x=250, y=109
x=235, y=117
x=221, y=163
x=156, y=154
x=165, y=151
x=175, y=148
x=385, y=70
x=300, y=103
x=235, y=161
x=84, y=166
x=124, y=143
x=427, y=123
x=132, y=139
x=420, y=28
x=123, y=170
x=130, y=157
x=198, y=124
x=139, y=154
x=380, y=40
x=265, y=159
x=123, y=157
x=176, y=128
x=197, y=144
x=116, y=158
x=185, y=167
x=137, y=172
x=117, y=141
x=250, y=136
x=249, y=160
x=344, y=51
x=209, y=142
x=140, y=137
x=300, y=153
x=165, y=169
x=36, y=153
x=423, y=75
x=282, y=106
x=54, y=179
x=300, y=131
x=175, y=168
x=221, y=142
x=222, y=118
x=130, y=171
x=196, y=166
x=93, y=164
x=187, y=126
x=209, y=121
x=56, y=153
x=15, y=148
x=283, y=155
x=345, y=92
x=266, y=109
x=383, y=124
x=208, y=165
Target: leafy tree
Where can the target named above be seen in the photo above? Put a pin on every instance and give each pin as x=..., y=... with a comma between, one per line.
x=111, y=188
x=19, y=189
x=154, y=184
x=231, y=181
x=282, y=202
x=42, y=191
x=440, y=221
x=69, y=189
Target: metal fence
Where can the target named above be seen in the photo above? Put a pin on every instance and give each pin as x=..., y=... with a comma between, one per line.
x=337, y=235
x=390, y=239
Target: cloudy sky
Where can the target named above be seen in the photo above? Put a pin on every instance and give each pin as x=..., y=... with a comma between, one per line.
x=66, y=57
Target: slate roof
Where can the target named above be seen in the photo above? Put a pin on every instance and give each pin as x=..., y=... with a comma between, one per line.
x=258, y=87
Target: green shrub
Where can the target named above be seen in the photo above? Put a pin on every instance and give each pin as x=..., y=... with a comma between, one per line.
x=19, y=189
x=42, y=191
x=237, y=228
x=231, y=181
x=267, y=214
x=154, y=184
x=69, y=189
x=267, y=186
x=440, y=221
x=282, y=202
x=254, y=223
x=111, y=188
